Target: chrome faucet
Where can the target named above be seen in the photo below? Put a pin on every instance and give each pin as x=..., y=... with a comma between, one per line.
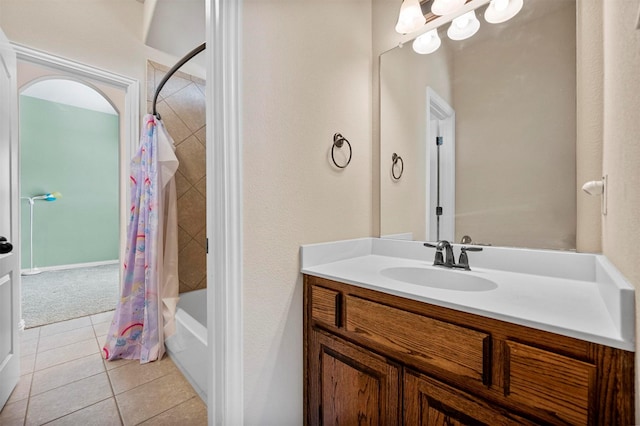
x=448, y=260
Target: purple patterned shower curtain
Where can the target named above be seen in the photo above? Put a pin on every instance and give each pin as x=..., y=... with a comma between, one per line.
x=145, y=313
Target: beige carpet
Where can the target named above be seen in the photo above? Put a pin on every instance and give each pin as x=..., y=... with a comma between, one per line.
x=54, y=296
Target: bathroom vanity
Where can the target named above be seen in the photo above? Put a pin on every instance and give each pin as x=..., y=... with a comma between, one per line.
x=388, y=351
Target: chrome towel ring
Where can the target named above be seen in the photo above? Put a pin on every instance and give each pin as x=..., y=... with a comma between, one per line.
x=338, y=142
x=395, y=158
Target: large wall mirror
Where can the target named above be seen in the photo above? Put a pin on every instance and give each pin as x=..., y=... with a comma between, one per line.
x=503, y=105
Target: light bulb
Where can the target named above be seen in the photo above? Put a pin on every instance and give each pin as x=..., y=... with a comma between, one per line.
x=500, y=5
x=462, y=21
x=464, y=26
x=427, y=43
x=445, y=7
x=502, y=10
x=410, y=18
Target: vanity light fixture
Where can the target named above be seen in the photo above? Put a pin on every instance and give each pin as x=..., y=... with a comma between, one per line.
x=502, y=10
x=445, y=7
x=410, y=18
x=464, y=26
x=427, y=43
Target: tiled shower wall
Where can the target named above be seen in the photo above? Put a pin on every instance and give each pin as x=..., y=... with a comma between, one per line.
x=181, y=105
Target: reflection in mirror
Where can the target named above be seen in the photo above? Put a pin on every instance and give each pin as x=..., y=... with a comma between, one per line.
x=507, y=164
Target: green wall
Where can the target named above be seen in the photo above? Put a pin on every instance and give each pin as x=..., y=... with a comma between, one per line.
x=73, y=151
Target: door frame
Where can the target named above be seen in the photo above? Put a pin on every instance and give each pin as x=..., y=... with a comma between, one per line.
x=225, y=332
x=439, y=110
x=129, y=118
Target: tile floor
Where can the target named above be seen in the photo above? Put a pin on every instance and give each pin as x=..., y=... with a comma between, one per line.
x=65, y=382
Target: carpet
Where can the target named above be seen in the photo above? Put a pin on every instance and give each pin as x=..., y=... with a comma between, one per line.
x=55, y=296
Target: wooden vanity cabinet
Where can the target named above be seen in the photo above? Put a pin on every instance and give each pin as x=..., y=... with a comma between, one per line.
x=355, y=387
x=376, y=359
x=428, y=402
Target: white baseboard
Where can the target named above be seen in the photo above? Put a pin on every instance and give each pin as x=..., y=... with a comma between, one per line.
x=75, y=265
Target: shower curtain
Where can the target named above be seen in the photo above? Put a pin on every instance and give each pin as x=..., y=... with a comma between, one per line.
x=145, y=313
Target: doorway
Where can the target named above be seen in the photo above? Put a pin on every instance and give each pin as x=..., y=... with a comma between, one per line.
x=74, y=154
x=69, y=142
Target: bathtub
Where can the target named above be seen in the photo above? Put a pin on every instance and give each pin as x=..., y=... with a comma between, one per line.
x=188, y=346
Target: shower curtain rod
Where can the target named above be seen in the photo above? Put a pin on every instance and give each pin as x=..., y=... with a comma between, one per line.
x=172, y=71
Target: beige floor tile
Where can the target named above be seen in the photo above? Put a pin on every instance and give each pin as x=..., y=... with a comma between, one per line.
x=117, y=363
x=13, y=414
x=22, y=389
x=192, y=412
x=149, y=400
x=30, y=334
x=59, y=327
x=68, y=372
x=27, y=363
x=103, y=413
x=67, y=399
x=102, y=340
x=101, y=330
x=28, y=347
x=136, y=374
x=102, y=317
x=67, y=353
x=65, y=338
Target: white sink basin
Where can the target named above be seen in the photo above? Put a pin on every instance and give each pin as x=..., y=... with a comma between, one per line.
x=578, y=295
x=439, y=278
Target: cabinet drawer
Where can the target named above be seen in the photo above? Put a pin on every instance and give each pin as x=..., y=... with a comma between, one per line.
x=549, y=382
x=325, y=306
x=429, y=342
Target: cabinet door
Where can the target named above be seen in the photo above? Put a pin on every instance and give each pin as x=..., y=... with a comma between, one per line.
x=350, y=386
x=559, y=387
x=428, y=402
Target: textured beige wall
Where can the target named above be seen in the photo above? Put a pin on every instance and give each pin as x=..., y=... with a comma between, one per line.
x=404, y=79
x=621, y=146
x=515, y=102
x=306, y=75
x=182, y=106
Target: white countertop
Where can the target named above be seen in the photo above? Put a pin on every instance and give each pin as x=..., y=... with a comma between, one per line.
x=576, y=295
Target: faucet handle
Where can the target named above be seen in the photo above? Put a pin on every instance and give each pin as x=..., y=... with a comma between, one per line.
x=463, y=262
x=439, y=259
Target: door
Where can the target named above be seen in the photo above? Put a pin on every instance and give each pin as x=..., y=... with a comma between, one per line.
x=350, y=386
x=9, y=269
x=428, y=402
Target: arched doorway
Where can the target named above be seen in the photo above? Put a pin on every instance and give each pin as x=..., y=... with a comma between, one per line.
x=69, y=178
